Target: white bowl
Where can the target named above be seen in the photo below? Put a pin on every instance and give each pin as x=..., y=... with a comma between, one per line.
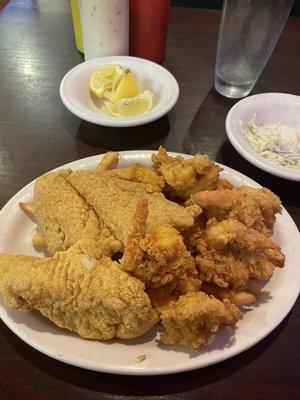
x=269, y=108
x=76, y=96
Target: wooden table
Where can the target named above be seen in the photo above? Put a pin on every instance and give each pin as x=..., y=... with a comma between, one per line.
x=37, y=134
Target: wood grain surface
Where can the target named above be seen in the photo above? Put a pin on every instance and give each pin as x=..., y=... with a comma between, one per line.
x=37, y=134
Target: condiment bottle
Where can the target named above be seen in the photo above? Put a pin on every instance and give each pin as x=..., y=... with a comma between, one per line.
x=105, y=27
x=77, y=24
x=149, y=28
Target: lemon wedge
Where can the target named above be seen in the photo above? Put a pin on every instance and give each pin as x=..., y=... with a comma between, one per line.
x=127, y=88
x=105, y=79
x=131, y=106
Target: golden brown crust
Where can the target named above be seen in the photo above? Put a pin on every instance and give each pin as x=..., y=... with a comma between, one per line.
x=229, y=254
x=194, y=318
x=115, y=200
x=186, y=176
x=64, y=217
x=77, y=291
x=141, y=174
x=28, y=208
x=240, y=298
x=256, y=208
x=110, y=159
x=157, y=256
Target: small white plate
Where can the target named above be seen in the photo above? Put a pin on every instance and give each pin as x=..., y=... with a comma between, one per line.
x=269, y=108
x=76, y=96
x=117, y=356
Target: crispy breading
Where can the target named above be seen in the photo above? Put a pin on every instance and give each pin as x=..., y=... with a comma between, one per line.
x=115, y=200
x=157, y=256
x=140, y=173
x=110, y=159
x=222, y=269
x=135, y=172
x=255, y=208
x=186, y=176
x=240, y=298
x=189, y=282
x=28, y=208
x=161, y=296
x=269, y=204
x=240, y=237
x=39, y=241
x=79, y=290
x=194, y=318
x=224, y=184
x=7, y=261
x=133, y=252
x=230, y=253
x=64, y=217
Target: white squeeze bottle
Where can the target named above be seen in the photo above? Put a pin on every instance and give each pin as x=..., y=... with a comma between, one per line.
x=105, y=27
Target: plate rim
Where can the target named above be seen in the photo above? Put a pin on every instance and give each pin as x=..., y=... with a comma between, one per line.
x=256, y=159
x=121, y=122
x=135, y=370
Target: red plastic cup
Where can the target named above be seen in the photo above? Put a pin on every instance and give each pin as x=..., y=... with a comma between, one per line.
x=149, y=28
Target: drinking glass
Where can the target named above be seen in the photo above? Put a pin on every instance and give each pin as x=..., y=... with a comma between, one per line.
x=249, y=31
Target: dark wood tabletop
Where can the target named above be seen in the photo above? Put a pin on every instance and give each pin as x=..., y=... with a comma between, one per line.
x=37, y=133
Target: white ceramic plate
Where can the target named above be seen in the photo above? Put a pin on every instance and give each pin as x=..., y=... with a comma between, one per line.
x=269, y=108
x=16, y=231
x=76, y=96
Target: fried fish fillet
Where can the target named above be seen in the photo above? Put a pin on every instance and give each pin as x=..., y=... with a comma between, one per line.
x=115, y=200
x=64, y=217
x=80, y=290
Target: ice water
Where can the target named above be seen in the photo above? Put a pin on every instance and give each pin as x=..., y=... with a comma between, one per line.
x=235, y=81
x=248, y=33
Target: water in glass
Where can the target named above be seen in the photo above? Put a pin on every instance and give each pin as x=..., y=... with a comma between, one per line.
x=248, y=33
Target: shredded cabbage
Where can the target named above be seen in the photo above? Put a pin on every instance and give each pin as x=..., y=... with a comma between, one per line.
x=279, y=143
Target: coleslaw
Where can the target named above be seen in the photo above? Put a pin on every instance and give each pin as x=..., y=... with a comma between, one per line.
x=278, y=142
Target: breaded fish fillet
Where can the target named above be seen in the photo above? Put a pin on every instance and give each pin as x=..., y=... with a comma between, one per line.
x=79, y=290
x=64, y=217
x=115, y=200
